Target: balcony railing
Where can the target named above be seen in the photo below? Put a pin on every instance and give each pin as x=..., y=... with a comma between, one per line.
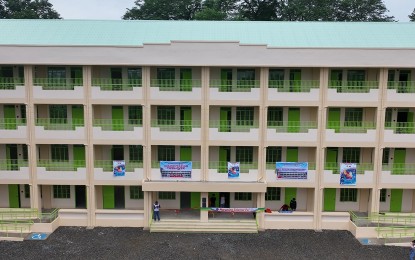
x=176, y=84
x=52, y=165
x=233, y=126
x=292, y=126
x=11, y=83
x=272, y=166
x=11, y=123
x=244, y=167
x=402, y=86
x=108, y=84
x=293, y=85
x=12, y=164
x=353, y=86
x=58, y=84
x=156, y=164
x=117, y=124
x=175, y=125
x=107, y=165
x=360, y=167
x=351, y=126
x=401, y=127
x=234, y=85
x=59, y=123
x=400, y=168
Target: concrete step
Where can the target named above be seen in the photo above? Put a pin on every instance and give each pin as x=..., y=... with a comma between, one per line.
x=195, y=226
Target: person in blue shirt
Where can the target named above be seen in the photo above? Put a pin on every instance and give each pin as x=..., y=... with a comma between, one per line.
x=412, y=252
x=156, y=211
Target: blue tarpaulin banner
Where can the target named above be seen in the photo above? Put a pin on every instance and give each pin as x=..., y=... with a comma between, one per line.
x=233, y=170
x=347, y=174
x=176, y=169
x=119, y=168
x=292, y=170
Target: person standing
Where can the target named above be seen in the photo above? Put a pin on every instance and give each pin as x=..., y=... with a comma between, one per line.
x=412, y=252
x=213, y=201
x=293, y=204
x=222, y=201
x=156, y=211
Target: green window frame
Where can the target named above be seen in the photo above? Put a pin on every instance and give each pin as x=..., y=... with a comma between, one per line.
x=166, y=153
x=134, y=75
x=244, y=154
x=275, y=116
x=56, y=72
x=136, y=153
x=245, y=78
x=353, y=116
x=276, y=78
x=351, y=155
x=167, y=195
x=58, y=114
x=273, y=154
x=27, y=191
x=61, y=191
x=136, y=193
x=135, y=115
x=385, y=155
x=383, y=194
x=166, y=77
x=245, y=116
x=245, y=196
x=356, y=77
x=348, y=195
x=166, y=115
x=273, y=193
x=59, y=152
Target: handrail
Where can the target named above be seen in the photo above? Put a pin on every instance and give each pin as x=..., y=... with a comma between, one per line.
x=107, y=165
x=360, y=167
x=108, y=84
x=175, y=125
x=402, y=86
x=353, y=86
x=18, y=213
x=292, y=126
x=234, y=85
x=12, y=123
x=12, y=165
x=48, y=217
x=9, y=83
x=117, y=124
x=60, y=123
x=234, y=125
x=58, y=83
x=399, y=168
x=293, y=85
x=401, y=127
x=175, y=84
x=52, y=165
x=351, y=126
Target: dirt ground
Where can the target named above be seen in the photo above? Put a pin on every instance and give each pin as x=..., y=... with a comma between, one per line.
x=135, y=243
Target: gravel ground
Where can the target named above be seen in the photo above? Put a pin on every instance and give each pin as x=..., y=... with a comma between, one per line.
x=134, y=243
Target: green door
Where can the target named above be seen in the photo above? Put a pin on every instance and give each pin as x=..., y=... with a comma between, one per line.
x=399, y=161
x=396, y=200
x=185, y=79
x=225, y=119
x=224, y=154
x=226, y=80
x=14, y=199
x=79, y=156
x=294, y=120
x=331, y=160
x=195, y=200
x=77, y=115
x=117, y=118
x=292, y=154
x=410, y=120
x=186, y=119
x=290, y=193
x=334, y=119
x=10, y=117
x=329, y=199
x=108, y=197
x=295, y=80
x=185, y=153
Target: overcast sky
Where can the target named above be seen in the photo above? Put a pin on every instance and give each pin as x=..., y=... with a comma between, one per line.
x=115, y=9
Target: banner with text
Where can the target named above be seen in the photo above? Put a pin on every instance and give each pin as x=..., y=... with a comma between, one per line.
x=119, y=168
x=347, y=174
x=292, y=170
x=176, y=169
x=233, y=170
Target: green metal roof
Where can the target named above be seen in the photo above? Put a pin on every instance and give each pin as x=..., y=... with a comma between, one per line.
x=273, y=34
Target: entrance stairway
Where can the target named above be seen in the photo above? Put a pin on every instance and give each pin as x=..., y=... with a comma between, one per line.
x=213, y=226
x=16, y=223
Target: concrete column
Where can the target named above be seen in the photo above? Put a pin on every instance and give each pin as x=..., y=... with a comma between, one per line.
x=262, y=124
x=205, y=124
x=204, y=214
x=260, y=216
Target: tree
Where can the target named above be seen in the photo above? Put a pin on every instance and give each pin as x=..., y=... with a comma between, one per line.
x=259, y=10
x=361, y=11
x=217, y=10
x=412, y=16
x=163, y=10
x=27, y=9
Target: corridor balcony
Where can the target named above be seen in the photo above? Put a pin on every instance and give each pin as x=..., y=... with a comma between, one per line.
x=248, y=172
x=186, y=130
x=347, y=93
x=398, y=174
x=305, y=91
x=104, y=172
x=110, y=130
x=242, y=90
x=196, y=174
x=14, y=171
x=13, y=129
x=176, y=89
x=351, y=131
x=364, y=176
x=50, y=88
x=400, y=92
x=116, y=91
x=399, y=133
x=292, y=131
x=271, y=176
x=59, y=128
x=12, y=89
x=224, y=130
x=54, y=172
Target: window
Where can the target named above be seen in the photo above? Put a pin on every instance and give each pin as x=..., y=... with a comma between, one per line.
x=276, y=78
x=134, y=76
x=136, y=153
x=245, y=154
x=273, y=154
x=56, y=72
x=385, y=155
x=351, y=155
x=348, y=195
x=58, y=114
x=388, y=117
x=166, y=115
x=136, y=193
x=166, y=195
x=166, y=153
x=353, y=117
x=166, y=77
x=61, y=191
x=59, y=152
x=383, y=193
x=245, y=116
x=275, y=116
x=27, y=191
x=135, y=115
x=245, y=78
x=243, y=196
x=356, y=77
x=273, y=193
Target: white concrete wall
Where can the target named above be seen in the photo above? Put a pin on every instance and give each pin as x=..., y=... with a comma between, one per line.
x=39, y=93
x=42, y=134
x=98, y=94
x=252, y=95
x=312, y=96
x=251, y=135
x=19, y=93
x=99, y=134
x=63, y=203
x=194, y=135
x=385, y=206
x=4, y=196
x=347, y=206
x=132, y=203
x=19, y=133
x=372, y=96
x=195, y=94
x=392, y=96
x=310, y=136
x=44, y=175
x=390, y=137
x=12, y=176
x=407, y=197
x=388, y=178
x=368, y=137
x=24, y=202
